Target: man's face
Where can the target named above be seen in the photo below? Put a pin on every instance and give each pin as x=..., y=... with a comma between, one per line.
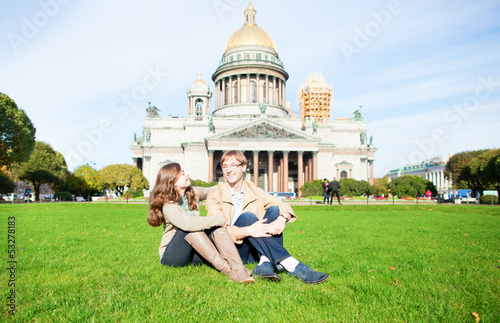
x=233, y=171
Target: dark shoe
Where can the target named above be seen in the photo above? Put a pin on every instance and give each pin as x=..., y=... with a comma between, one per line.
x=307, y=275
x=266, y=270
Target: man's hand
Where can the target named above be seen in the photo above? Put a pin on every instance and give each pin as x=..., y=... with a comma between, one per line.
x=259, y=229
x=277, y=226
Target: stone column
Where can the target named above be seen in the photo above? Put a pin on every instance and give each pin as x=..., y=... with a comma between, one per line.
x=224, y=91
x=211, y=166
x=238, y=90
x=284, y=94
x=267, y=88
x=216, y=95
x=248, y=88
x=285, y=171
x=257, y=85
x=371, y=171
x=315, y=165
x=300, y=170
x=256, y=167
x=270, y=171
x=274, y=90
x=231, y=94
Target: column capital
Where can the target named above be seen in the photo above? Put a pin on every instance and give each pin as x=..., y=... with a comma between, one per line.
x=256, y=152
x=210, y=153
x=285, y=153
x=270, y=152
x=300, y=153
x=315, y=153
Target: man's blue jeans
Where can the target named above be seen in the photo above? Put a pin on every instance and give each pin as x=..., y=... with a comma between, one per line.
x=271, y=247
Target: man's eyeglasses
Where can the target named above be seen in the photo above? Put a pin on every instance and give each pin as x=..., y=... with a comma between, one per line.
x=231, y=167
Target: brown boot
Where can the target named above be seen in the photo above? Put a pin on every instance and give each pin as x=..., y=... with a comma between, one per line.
x=229, y=252
x=202, y=244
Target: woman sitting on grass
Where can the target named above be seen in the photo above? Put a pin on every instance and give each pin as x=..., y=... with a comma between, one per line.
x=174, y=203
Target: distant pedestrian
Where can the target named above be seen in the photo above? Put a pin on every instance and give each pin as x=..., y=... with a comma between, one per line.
x=428, y=194
x=326, y=191
x=334, y=188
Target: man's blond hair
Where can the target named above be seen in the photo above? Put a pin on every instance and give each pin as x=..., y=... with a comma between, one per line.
x=238, y=155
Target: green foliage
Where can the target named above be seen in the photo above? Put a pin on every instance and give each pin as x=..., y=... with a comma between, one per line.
x=17, y=133
x=486, y=199
x=408, y=186
x=459, y=170
x=484, y=167
x=63, y=196
x=134, y=193
x=84, y=262
x=117, y=177
x=86, y=181
x=350, y=187
x=200, y=183
x=312, y=188
x=6, y=183
x=380, y=186
x=44, y=166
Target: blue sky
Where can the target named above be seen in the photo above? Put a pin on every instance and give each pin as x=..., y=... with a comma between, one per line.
x=427, y=73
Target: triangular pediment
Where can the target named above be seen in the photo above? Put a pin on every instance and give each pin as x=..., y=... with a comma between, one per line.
x=263, y=129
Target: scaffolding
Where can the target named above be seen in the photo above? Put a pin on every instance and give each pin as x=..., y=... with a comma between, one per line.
x=315, y=96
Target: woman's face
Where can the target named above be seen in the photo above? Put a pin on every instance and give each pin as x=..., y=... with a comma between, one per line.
x=183, y=181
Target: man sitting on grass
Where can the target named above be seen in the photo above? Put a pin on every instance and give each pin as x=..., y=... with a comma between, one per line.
x=255, y=221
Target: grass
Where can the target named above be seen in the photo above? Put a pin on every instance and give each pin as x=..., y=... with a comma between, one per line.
x=99, y=262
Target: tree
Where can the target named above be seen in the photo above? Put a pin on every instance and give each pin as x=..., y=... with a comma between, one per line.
x=380, y=186
x=6, y=183
x=17, y=133
x=458, y=170
x=312, y=188
x=86, y=181
x=351, y=187
x=44, y=166
x=119, y=176
x=408, y=186
x=484, y=166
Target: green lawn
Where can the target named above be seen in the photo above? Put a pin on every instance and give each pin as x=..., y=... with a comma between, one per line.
x=99, y=262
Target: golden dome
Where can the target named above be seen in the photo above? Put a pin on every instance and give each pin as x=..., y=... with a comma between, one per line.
x=199, y=80
x=250, y=34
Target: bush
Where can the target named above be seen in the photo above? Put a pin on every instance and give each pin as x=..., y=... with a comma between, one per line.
x=312, y=188
x=200, y=183
x=63, y=196
x=133, y=193
x=486, y=199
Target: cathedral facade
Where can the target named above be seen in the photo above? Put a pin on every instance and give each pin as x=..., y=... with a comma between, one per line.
x=284, y=150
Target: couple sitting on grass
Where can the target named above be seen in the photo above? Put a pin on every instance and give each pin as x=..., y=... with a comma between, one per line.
x=243, y=224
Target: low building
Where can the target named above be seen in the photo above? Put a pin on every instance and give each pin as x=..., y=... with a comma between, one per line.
x=431, y=170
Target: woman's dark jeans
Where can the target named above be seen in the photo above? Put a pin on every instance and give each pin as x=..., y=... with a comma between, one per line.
x=179, y=252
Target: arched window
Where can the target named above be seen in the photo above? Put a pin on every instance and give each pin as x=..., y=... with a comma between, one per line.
x=253, y=88
x=343, y=174
x=199, y=107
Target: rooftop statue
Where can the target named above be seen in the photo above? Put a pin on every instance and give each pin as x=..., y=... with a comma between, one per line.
x=357, y=115
x=152, y=111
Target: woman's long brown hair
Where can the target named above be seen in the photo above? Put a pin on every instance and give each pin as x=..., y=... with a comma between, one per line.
x=164, y=191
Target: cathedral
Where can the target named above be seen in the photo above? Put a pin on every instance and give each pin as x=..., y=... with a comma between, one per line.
x=250, y=114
